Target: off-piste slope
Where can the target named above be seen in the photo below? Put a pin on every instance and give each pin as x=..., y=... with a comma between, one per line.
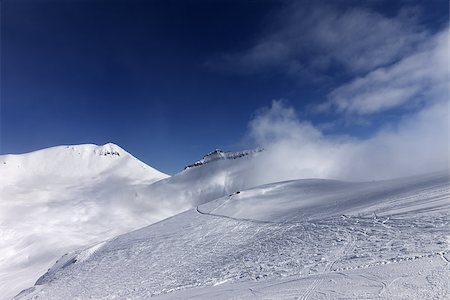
x=308, y=239
x=58, y=199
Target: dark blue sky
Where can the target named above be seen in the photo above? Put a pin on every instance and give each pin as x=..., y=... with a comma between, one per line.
x=166, y=80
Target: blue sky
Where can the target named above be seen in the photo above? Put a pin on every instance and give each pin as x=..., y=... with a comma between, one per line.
x=171, y=80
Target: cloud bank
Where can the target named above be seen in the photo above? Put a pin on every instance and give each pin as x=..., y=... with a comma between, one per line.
x=295, y=149
x=419, y=77
x=393, y=64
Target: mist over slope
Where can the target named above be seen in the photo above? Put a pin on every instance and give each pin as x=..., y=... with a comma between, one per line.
x=207, y=181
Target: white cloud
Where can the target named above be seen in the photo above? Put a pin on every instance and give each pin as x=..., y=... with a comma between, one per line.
x=270, y=124
x=296, y=149
x=421, y=76
x=303, y=38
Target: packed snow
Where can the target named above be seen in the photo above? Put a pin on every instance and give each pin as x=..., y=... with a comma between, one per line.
x=302, y=239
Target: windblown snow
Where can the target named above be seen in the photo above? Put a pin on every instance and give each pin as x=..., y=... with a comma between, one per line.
x=221, y=232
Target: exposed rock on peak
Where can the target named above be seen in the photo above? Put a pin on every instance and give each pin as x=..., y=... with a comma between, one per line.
x=219, y=154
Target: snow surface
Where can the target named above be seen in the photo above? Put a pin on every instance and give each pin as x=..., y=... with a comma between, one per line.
x=303, y=239
x=59, y=199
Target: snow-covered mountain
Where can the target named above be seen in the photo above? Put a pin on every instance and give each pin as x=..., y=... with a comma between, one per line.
x=58, y=199
x=303, y=239
x=63, y=164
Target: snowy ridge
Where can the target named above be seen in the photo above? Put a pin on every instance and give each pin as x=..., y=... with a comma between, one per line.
x=284, y=240
x=74, y=161
x=220, y=154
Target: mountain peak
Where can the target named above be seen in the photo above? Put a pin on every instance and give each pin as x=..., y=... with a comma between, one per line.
x=219, y=154
x=110, y=149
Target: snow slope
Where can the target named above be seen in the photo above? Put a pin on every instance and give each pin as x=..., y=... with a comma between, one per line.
x=62, y=198
x=310, y=239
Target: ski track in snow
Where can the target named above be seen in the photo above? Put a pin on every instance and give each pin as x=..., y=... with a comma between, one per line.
x=347, y=248
x=339, y=254
x=276, y=260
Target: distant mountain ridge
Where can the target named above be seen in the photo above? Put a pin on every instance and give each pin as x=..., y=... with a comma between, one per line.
x=219, y=154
